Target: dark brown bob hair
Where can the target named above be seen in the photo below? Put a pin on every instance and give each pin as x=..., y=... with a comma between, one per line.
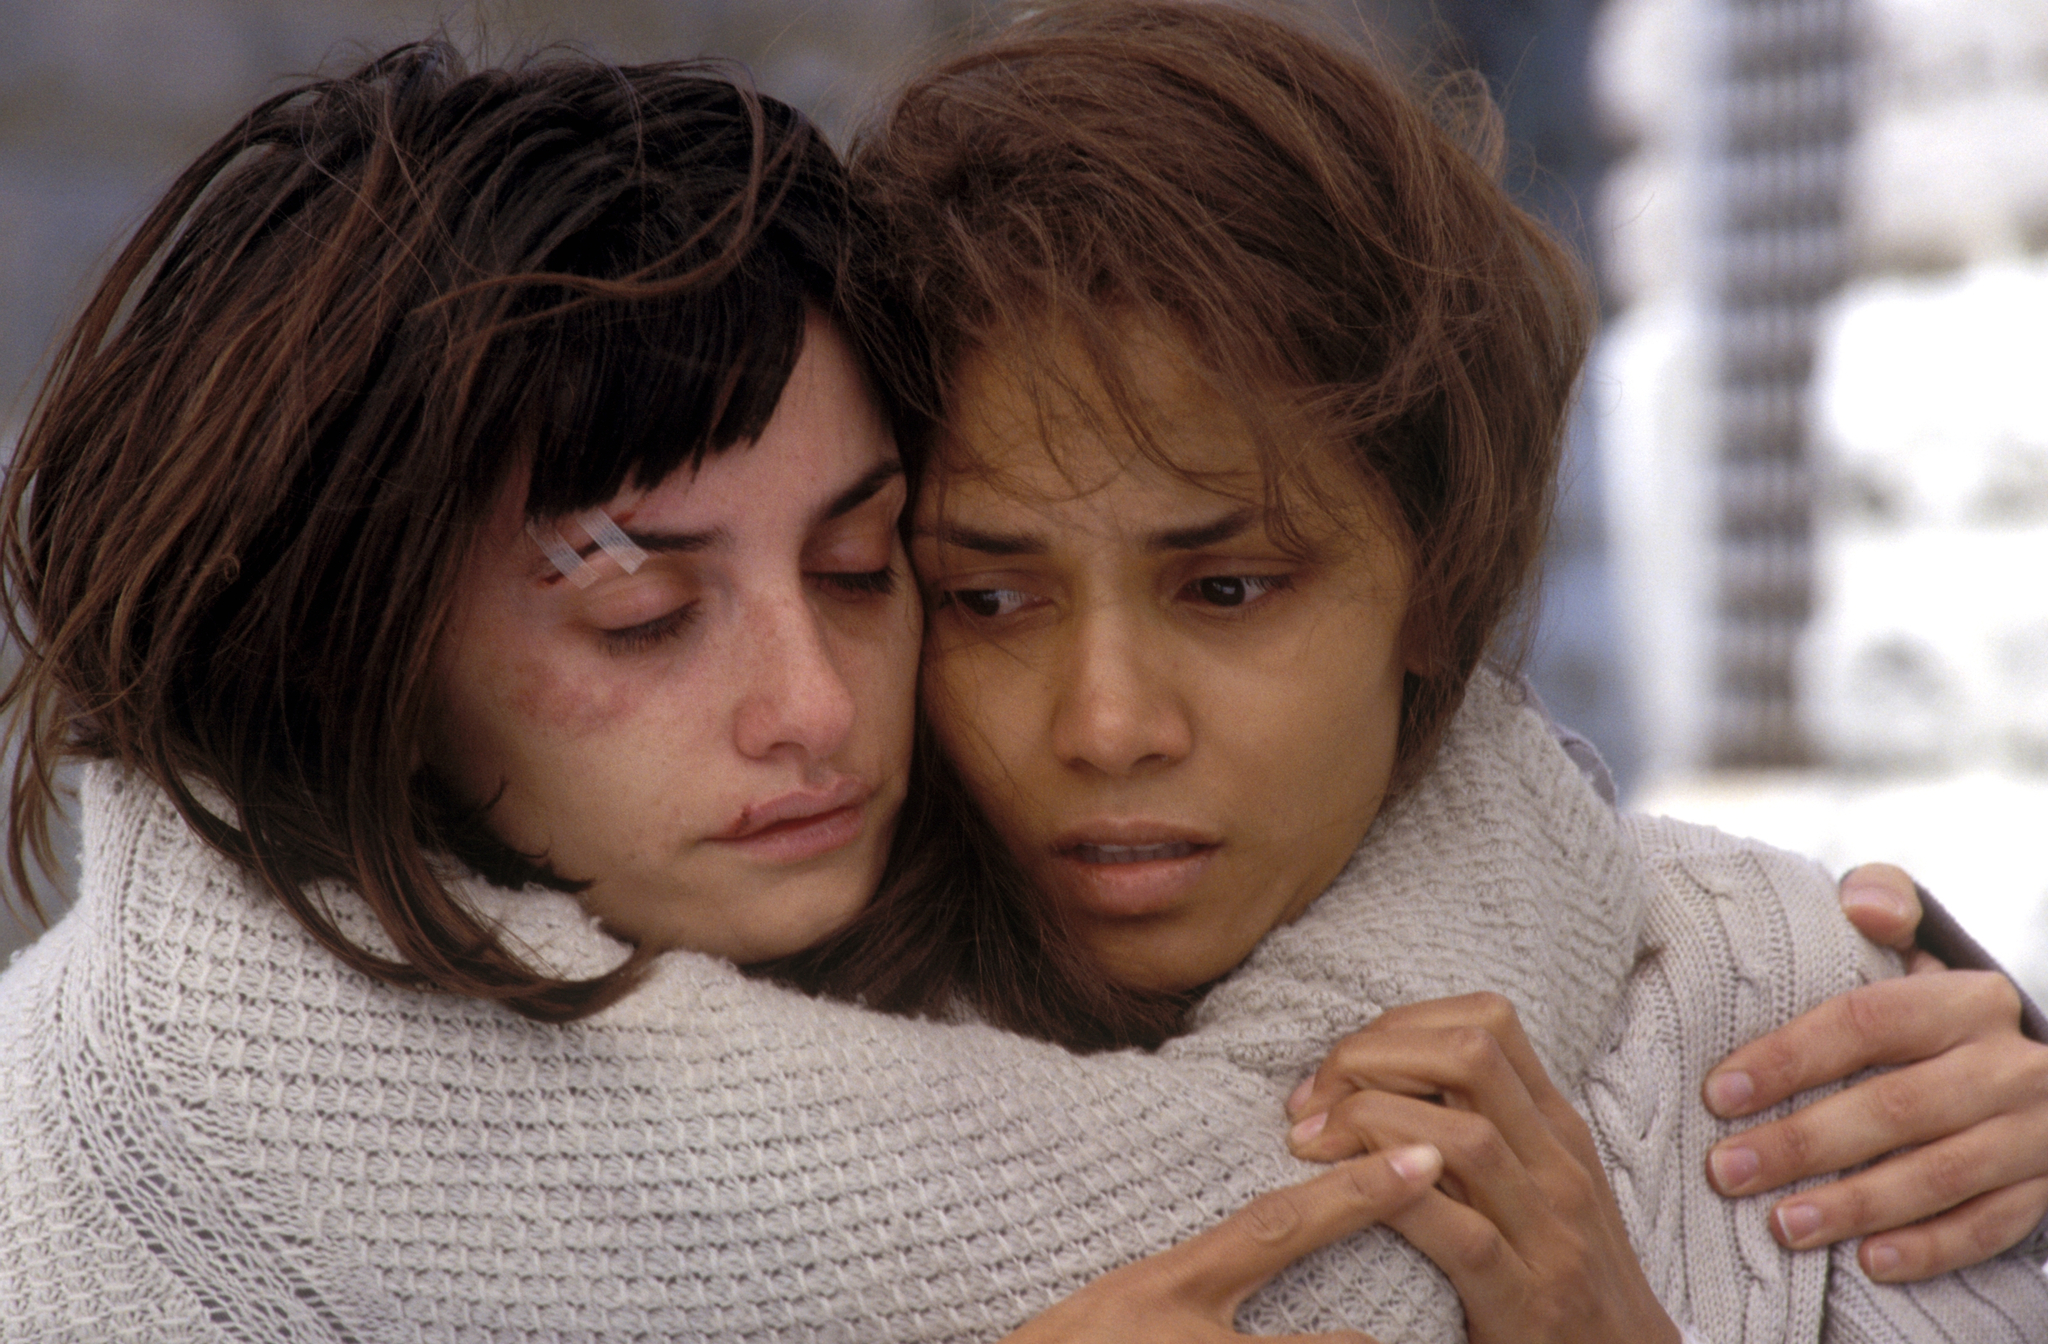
x=234, y=522
x=1315, y=229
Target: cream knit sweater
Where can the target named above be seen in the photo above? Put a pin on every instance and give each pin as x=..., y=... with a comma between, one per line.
x=214, y=1131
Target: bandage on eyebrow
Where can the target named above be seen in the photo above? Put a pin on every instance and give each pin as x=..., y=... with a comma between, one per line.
x=614, y=542
x=609, y=538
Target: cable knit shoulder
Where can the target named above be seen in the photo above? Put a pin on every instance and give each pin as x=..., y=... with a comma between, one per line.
x=1738, y=939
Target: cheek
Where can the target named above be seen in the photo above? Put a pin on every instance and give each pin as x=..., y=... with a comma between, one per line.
x=523, y=722
x=1313, y=733
x=562, y=702
x=976, y=709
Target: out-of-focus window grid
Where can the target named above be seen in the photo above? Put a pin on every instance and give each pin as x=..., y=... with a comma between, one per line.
x=1823, y=403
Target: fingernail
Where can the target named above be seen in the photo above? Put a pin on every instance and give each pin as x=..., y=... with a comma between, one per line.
x=1868, y=894
x=1300, y=1097
x=1417, y=1164
x=1308, y=1128
x=1733, y=1168
x=1729, y=1092
x=1881, y=1261
x=1797, y=1222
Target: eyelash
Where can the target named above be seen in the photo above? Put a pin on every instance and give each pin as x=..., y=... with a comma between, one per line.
x=960, y=598
x=864, y=583
x=1264, y=584
x=644, y=636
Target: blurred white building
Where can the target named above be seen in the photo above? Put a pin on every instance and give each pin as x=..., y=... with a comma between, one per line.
x=1841, y=330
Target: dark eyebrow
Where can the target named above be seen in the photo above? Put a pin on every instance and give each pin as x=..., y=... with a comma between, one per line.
x=654, y=543
x=863, y=490
x=685, y=543
x=1233, y=524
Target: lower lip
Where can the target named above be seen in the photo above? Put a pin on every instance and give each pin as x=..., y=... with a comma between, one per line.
x=802, y=838
x=1133, y=890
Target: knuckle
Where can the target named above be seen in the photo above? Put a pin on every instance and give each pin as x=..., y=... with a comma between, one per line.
x=1479, y=1249
x=1494, y=1010
x=1897, y=1100
x=1474, y=1051
x=1794, y=1143
x=1272, y=1217
x=1774, y=1060
x=1998, y=997
x=1987, y=1236
x=2030, y=1073
x=1855, y=1206
x=1366, y=1183
x=1948, y=1175
x=1479, y=1147
x=1871, y=1019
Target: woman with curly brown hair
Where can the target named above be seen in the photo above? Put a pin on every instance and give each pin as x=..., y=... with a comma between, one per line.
x=1242, y=388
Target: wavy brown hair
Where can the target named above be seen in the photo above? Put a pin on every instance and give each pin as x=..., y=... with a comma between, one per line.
x=233, y=524
x=1322, y=234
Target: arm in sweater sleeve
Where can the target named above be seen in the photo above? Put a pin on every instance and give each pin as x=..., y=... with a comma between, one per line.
x=1741, y=936
x=1991, y=1303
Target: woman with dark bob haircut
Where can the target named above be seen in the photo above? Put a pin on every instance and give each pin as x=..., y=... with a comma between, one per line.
x=460, y=541
x=459, y=519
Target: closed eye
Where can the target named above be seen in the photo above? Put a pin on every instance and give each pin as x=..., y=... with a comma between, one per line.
x=646, y=635
x=863, y=583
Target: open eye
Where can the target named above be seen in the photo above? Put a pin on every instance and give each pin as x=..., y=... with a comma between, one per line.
x=987, y=603
x=1233, y=590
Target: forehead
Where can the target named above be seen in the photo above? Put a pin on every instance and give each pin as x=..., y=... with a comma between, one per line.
x=1037, y=415
x=1037, y=420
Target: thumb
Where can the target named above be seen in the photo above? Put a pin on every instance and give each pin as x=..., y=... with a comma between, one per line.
x=1880, y=901
x=1234, y=1259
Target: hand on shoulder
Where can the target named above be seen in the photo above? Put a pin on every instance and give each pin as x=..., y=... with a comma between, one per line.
x=1959, y=1116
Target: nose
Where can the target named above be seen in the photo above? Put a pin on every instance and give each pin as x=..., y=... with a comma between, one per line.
x=793, y=696
x=1117, y=709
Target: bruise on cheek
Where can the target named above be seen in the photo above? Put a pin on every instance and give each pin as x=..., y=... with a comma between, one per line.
x=560, y=702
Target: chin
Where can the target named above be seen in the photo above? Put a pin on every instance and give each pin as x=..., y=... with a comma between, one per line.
x=803, y=920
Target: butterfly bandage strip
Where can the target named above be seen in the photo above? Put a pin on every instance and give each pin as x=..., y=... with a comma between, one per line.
x=606, y=533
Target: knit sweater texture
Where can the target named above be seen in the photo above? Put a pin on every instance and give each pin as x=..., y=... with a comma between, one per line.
x=216, y=1131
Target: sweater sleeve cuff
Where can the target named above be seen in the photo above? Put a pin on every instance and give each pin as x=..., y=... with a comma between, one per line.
x=1951, y=943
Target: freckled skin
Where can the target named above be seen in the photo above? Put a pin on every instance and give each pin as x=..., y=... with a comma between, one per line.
x=624, y=729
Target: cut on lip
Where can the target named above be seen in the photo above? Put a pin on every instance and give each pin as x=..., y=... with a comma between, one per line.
x=1177, y=849
x=799, y=805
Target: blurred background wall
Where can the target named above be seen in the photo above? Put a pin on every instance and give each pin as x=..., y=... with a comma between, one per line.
x=1796, y=585
x=1822, y=400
